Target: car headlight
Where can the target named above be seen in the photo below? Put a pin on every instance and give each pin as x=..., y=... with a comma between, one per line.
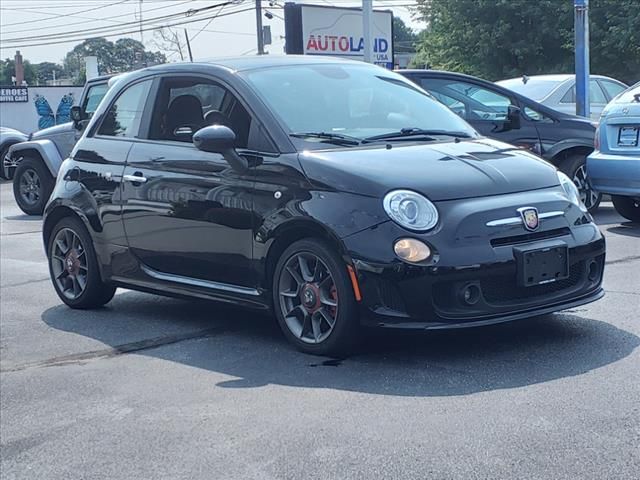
x=571, y=190
x=410, y=210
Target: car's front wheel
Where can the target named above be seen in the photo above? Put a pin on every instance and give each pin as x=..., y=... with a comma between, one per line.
x=628, y=207
x=575, y=166
x=313, y=299
x=32, y=186
x=73, y=266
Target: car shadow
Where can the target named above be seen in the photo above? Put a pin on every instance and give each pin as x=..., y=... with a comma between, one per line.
x=250, y=347
x=628, y=229
x=25, y=218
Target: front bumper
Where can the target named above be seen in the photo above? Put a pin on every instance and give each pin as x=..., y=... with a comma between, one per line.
x=614, y=174
x=469, y=252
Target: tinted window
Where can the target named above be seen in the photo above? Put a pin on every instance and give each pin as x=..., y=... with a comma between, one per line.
x=93, y=98
x=479, y=103
x=612, y=88
x=185, y=104
x=356, y=100
x=124, y=115
x=629, y=95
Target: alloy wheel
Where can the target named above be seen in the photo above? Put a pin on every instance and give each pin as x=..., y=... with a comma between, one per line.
x=69, y=264
x=30, y=186
x=308, y=297
x=587, y=194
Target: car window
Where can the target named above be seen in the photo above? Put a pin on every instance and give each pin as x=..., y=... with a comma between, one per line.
x=478, y=103
x=596, y=95
x=629, y=94
x=95, y=94
x=185, y=104
x=125, y=114
x=613, y=89
x=535, y=115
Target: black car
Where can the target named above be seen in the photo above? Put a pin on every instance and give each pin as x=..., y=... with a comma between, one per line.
x=564, y=140
x=336, y=193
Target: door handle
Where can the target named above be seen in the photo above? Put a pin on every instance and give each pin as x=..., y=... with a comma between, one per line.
x=135, y=178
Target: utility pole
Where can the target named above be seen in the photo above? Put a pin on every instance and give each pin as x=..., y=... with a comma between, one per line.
x=186, y=35
x=581, y=26
x=140, y=23
x=367, y=17
x=259, y=33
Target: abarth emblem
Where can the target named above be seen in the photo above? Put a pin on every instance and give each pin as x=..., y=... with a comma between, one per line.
x=530, y=218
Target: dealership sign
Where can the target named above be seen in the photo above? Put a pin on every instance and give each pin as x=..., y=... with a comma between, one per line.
x=14, y=94
x=320, y=30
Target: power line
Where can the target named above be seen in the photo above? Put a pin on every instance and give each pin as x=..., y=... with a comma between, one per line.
x=98, y=31
x=92, y=20
x=65, y=15
x=78, y=39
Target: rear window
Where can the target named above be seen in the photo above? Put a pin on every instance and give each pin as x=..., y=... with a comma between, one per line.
x=534, y=89
x=629, y=95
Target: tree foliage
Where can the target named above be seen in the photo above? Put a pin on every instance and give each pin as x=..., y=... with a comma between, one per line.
x=403, y=37
x=497, y=39
x=123, y=55
x=8, y=70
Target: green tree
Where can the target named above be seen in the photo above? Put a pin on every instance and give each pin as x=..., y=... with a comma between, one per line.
x=403, y=37
x=8, y=70
x=497, y=39
x=44, y=71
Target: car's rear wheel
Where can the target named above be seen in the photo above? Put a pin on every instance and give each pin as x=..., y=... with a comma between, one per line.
x=73, y=266
x=313, y=299
x=575, y=167
x=32, y=186
x=628, y=207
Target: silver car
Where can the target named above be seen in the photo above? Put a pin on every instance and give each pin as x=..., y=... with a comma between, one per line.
x=559, y=91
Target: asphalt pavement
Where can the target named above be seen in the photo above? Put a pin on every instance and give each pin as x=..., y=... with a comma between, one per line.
x=159, y=388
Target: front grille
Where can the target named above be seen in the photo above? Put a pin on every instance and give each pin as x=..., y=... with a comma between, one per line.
x=529, y=237
x=503, y=288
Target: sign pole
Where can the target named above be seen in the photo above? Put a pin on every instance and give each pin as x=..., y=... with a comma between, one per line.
x=367, y=17
x=259, y=33
x=581, y=26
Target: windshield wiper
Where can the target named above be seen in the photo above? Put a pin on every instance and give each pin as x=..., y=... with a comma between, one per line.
x=337, y=138
x=415, y=132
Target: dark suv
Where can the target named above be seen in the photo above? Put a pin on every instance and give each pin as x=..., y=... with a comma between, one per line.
x=564, y=140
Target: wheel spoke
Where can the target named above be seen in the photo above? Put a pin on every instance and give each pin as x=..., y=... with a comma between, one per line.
x=306, y=320
x=316, y=320
x=289, y=294
x=304, y=269
x=61, y=246
x=329, y=302
x=82, y=282
x=327, y=317
x=295, y=275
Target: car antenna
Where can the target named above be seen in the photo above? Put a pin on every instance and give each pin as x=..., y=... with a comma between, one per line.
x=525, y=79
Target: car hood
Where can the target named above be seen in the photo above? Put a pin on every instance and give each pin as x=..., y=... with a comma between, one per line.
x=441, y=171
x=55, y=130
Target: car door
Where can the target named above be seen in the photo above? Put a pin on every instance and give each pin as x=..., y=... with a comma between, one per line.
x=187, y=214
x=101, y=158
x=486, y=109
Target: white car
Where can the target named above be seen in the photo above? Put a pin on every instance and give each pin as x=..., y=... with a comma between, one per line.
x=559, y=91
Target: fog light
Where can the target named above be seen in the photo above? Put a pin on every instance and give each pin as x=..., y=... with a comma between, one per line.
x=411, y=250
x=470, y=294
x=594, y=271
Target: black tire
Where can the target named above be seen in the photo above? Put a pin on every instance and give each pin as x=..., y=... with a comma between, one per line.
x=5, y=174
x=339, y=338
x=32, y=186
x=628, y=207
x=575, y=166
x=64, y=276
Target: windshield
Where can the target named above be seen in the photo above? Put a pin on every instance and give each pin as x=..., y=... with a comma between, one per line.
x=535, y=89
x=358, y=101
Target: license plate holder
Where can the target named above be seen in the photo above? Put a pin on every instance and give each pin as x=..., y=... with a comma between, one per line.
x=628, y=136
x=541, y=265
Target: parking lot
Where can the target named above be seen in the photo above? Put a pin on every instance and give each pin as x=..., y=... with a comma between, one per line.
x=153, y=387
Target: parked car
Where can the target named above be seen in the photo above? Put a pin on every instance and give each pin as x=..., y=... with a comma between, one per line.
x=36, y=160
x=562, y=139
x=559, y=91
x=614, y=166
x=335, y=192
x=8, y=137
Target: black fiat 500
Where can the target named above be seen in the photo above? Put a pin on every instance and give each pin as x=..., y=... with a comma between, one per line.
x=336, y=193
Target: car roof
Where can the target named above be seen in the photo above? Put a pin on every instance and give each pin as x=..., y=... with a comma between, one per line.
x=238, y=64
x=556, y=77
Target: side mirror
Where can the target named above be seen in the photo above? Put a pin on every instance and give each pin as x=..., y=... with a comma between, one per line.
x=220, y=139
x=76, y=115
x=513, y=116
